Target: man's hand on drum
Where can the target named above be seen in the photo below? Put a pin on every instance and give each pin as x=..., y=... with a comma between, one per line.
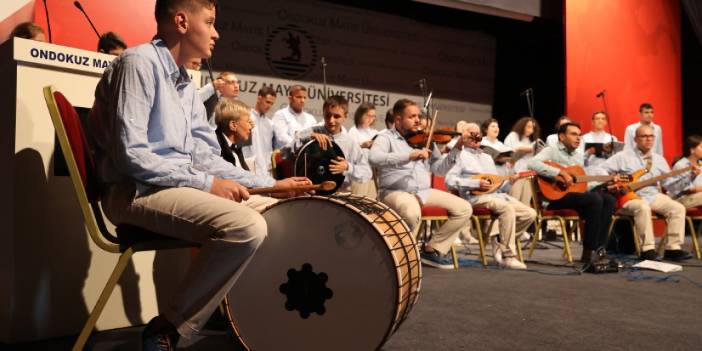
x=339, y=165
x=292, y=182
x=229, y=189
x=323, y=140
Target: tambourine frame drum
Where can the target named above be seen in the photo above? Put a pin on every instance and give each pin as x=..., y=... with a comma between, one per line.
x=334, y=273
x=313, y=162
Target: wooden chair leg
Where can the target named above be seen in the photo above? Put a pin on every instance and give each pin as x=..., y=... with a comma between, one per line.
x=102, y=300
x=693, y=234
x=535, y=238
x=454, y=255
x=566, y=245
x=635, y=233
x=481, y=239
x=611, y=227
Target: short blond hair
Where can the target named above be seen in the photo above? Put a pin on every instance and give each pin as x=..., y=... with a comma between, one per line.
x=228, y=110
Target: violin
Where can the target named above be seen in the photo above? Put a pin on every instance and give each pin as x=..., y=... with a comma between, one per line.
x=420, y=139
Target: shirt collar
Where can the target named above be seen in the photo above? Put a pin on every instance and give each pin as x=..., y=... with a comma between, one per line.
x=641, y=154
x=563, y=148
x=175, y=73
x=472, y=150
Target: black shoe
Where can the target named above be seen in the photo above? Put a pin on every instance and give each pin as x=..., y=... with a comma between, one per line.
x=649, y=255
x=159, y=335
x=676, y=255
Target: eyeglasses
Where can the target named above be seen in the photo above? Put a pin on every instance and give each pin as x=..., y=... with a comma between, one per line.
x=231, y=81
x=646, y=136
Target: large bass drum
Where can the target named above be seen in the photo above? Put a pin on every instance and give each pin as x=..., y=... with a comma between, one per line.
x=334, y=273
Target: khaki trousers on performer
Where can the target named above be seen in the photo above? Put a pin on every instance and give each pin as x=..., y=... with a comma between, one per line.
x=692, y=200
x=366, y=188
x=514, y=218
x=409, y=208
x=671, y=210
x=521, y=190
x=229, y=232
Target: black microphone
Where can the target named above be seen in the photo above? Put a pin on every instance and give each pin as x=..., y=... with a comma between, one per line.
x=48, y=22
x=600, y=94
x=80, y=7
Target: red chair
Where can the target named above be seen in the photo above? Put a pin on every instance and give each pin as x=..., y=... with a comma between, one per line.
x=129, y=239
x=564, y=217
x=694, y=214
x=432, y=216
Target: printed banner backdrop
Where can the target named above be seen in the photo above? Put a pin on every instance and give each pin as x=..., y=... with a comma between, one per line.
x=631, y=49
x=363, y=50
x=450, y=111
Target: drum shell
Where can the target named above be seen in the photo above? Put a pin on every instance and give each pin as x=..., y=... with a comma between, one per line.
x=388, y=244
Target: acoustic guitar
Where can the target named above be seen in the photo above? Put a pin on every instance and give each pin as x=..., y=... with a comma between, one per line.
x=627, y=191
x=496, y=181
x=555, y=188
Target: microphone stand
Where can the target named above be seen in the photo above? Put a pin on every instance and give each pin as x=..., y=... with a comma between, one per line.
x=324, y=77
x=603, y=96
x=48, y=22
x=80, y=7
x=529, y=95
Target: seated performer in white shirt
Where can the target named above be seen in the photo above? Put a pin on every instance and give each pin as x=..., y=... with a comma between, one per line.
x=261, y=147
x=552, y=139
x=597, y=135
x=404, y=175
x=650, y=197
x=354, y=166
x=645, y=119
x=490, y=130
x=363, y=133
x=292, y=119
x=688, y=189
x=514, y=216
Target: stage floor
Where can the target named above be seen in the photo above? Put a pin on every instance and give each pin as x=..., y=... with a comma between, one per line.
x=548, y=307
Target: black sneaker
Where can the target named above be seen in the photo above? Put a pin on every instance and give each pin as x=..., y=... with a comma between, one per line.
x=436, y=260
x=649, y=255
x=676, y=255
x=154, y=338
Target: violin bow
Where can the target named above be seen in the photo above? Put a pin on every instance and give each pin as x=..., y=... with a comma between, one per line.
x=431, y=129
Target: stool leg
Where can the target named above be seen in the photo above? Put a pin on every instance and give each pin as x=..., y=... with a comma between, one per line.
x=102, y=300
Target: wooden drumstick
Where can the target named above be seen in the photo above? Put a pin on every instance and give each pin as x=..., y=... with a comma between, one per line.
x=325, y=185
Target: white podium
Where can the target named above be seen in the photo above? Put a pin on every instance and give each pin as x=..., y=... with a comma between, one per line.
x=50, y=272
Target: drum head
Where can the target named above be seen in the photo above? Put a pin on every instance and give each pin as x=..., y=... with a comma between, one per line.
x=322, y=280
x=313, y=162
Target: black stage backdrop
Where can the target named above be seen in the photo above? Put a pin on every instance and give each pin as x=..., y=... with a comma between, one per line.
x=528, y=55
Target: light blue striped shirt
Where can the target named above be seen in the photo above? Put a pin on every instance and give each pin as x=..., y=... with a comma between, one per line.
x=471, y=162
x=390, y=155
x=629, y=161
x=683, y=182
x=149, y=124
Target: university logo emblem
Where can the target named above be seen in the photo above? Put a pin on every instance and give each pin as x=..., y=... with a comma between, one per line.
x=290, y=51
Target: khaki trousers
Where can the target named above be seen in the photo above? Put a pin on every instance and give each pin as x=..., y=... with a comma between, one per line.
x=408, y=207
x=229, y=232
x=671, y=210
x=692, y=200
x=514, y=218
x=366, y=189
x=521, y=190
